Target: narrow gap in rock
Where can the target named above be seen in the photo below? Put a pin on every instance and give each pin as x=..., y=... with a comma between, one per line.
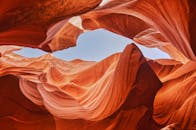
x=95, y=46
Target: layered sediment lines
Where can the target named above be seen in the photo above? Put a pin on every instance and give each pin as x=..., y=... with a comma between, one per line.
x=100, y=95
x=162, y=24
x=175, y=101
x=123, y=91
x=30, y=23
x=55, y=25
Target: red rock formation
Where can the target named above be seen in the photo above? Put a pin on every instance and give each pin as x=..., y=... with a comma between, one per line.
x=26, y=23
x=8, y=49
x=159, y=23
x=116, y=93
x=164, y=24
x=94, y=95
x=192, y=24
x=175, y=101
x=17, y=112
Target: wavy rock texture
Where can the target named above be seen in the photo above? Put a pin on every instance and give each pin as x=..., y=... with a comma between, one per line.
x=123, y=91
x=8, y=49
x=175, y=101
x=94, y=95
x=26, y=23
x=158, y=23
x=17, y=112
x=164, y=24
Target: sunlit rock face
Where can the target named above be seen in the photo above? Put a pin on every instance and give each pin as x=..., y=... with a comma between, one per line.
x=93, y=95
x=168, y=25
x=160, y=23
x=125, y=91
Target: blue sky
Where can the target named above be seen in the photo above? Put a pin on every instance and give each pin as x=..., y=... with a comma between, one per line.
x=95, y=46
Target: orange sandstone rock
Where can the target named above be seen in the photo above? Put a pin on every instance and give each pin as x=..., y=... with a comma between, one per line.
x=28, y=23
x=115, y=93
x=175, y=101
x=51, y=25
x=105, y=95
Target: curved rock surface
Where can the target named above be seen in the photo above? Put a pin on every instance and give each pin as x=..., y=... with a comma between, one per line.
x=17, y=112
x=93, y=95
x=165, y=24
x=175, y=101
x=160, y=23
x=29, y=23
x=123, y=91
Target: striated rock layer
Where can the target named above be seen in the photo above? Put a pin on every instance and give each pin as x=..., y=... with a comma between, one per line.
x=152, y=23
x=55, y=25
x=32, y=23
x=123, y=91
x=175, y=101
x=115, y=93
x=17, y=112
x=105, y=95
